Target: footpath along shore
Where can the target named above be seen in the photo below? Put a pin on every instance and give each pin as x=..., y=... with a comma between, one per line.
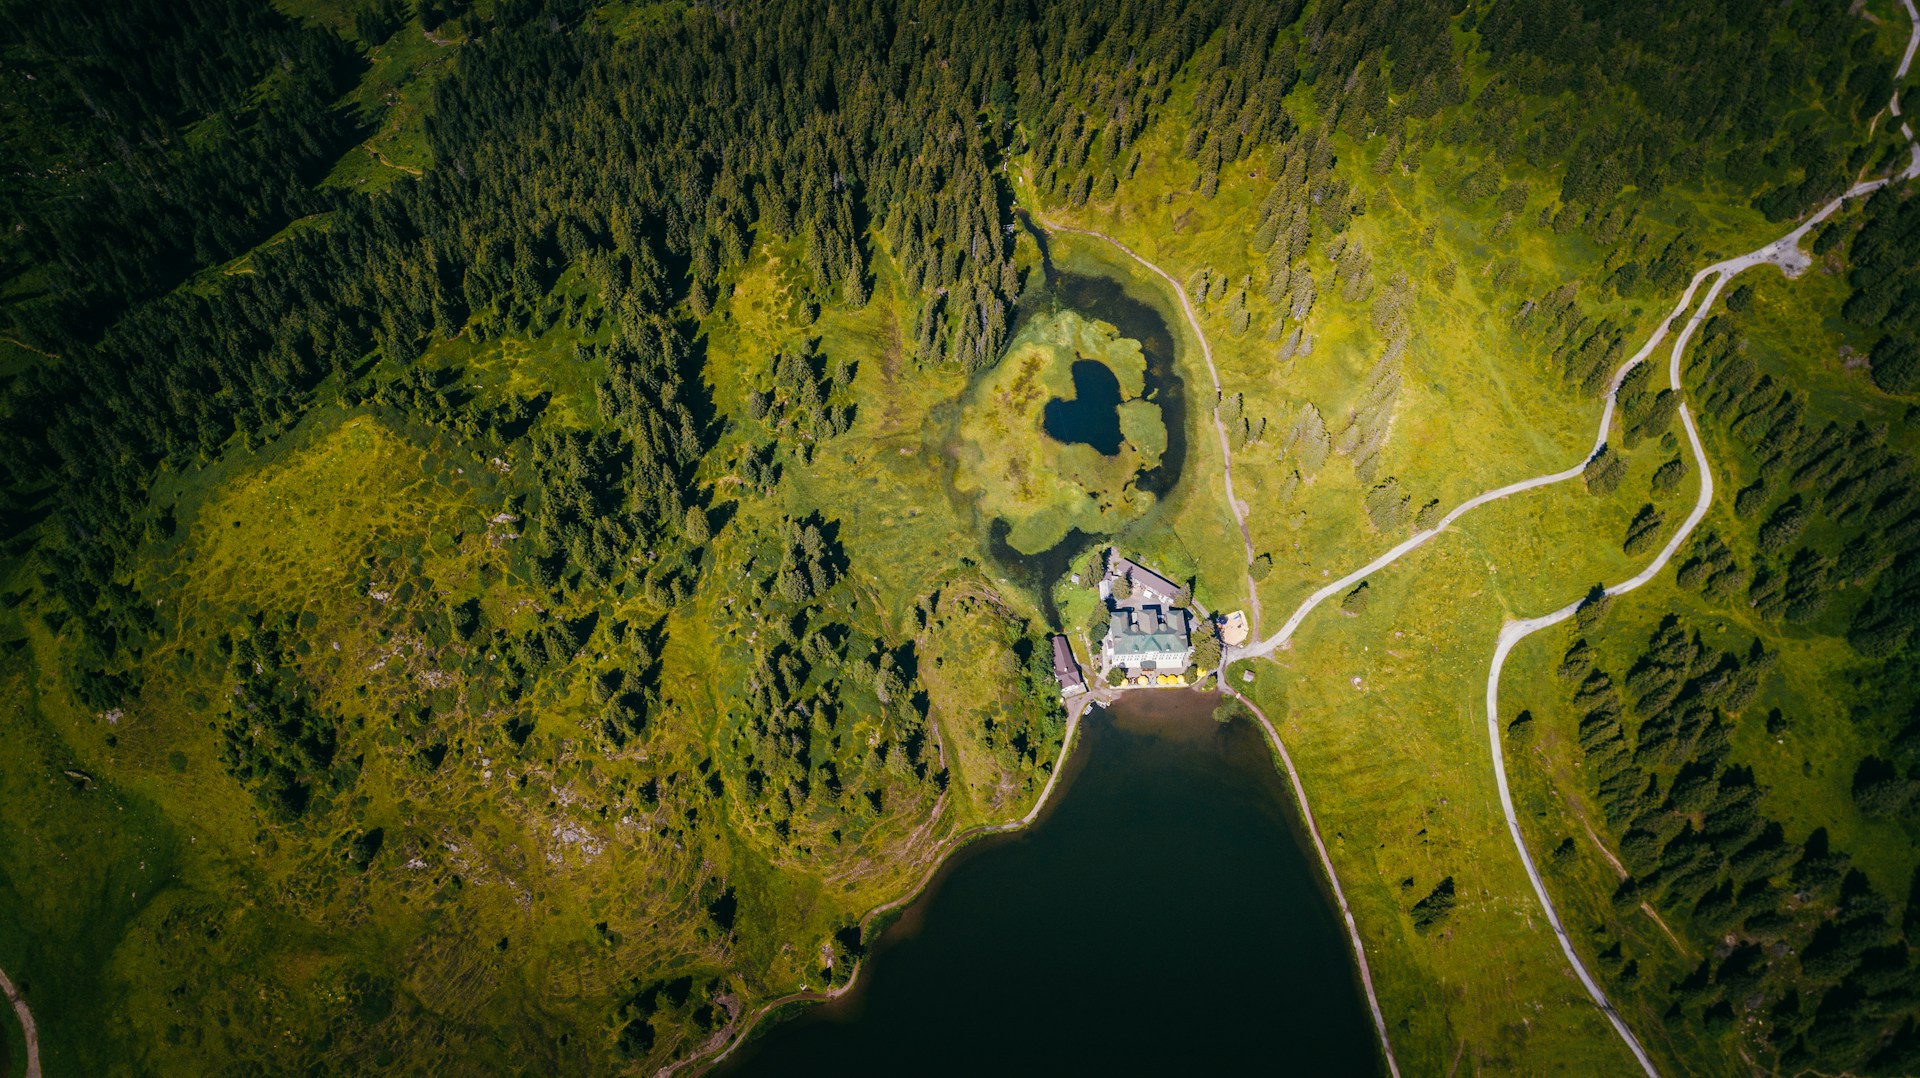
x=728, y=1040
x=1784, y=253
x=27, y=1029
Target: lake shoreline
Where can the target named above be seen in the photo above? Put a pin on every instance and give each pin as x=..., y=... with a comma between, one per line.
x=769, y=1015
x=1204, y=760
x=880, y=928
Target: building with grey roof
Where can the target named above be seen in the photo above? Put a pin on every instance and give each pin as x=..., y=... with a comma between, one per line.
x=1147, y=585
x=1147, y=638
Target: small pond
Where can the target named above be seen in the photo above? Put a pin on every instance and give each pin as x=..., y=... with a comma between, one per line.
x=1092, y=417
x=1108, y=300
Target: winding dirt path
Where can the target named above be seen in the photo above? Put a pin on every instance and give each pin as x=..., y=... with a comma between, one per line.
x=1906, y=61
x=1787, y=256
x=1326, y=865
x=27, y=1028
x=1234, y=504
x=1514, y=631
x=1785, y=253
x=18, y=343
x=1620, y=870
x=1899, y=73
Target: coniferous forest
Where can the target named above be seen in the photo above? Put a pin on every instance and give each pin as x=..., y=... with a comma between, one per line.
x=486, y=586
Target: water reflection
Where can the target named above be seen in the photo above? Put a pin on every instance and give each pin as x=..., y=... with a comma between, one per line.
x=1163, y=917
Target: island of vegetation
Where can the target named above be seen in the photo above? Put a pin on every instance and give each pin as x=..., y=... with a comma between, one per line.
x=1056, y=435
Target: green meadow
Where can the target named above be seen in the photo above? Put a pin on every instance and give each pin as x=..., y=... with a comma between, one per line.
x=527, y=592
x=1384, y=708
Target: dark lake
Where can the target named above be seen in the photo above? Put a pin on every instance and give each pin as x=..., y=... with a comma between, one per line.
x=1162, y=918
x=1092, y=417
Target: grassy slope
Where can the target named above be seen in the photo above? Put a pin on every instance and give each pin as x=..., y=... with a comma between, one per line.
x=1396, y=764
x=1385, y=712
x=276, y=534
x=1434, y=986
x=395, y=96
x=277, y=531
x=73, y=869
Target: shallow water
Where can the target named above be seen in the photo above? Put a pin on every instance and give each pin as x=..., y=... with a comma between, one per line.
x=1107, y=300
x=1104, y=298
x=1162, y=917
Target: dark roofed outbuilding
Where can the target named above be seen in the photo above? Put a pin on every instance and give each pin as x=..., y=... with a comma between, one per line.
x=1066, y=670
x=1147, y=583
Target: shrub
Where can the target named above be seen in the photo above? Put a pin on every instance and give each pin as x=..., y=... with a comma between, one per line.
x=1433, y=909
x=1668, y=476
x=1230, y=709
x=1593, y=607
x=1896, y=364
x=1881, y=791
x=376, y=22
x=1206, y=647
x=1644, y=531
x=1604, y=471
x=1355, y=601
x=1428, y=516
x=1386, y=506
x=365, y=847
x=1520, y=730
x=1784, y=526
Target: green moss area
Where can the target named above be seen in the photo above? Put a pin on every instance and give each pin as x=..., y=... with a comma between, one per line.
x=395, y=99
x=1041, y=487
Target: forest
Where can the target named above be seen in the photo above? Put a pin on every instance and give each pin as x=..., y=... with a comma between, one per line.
x=533, y=495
